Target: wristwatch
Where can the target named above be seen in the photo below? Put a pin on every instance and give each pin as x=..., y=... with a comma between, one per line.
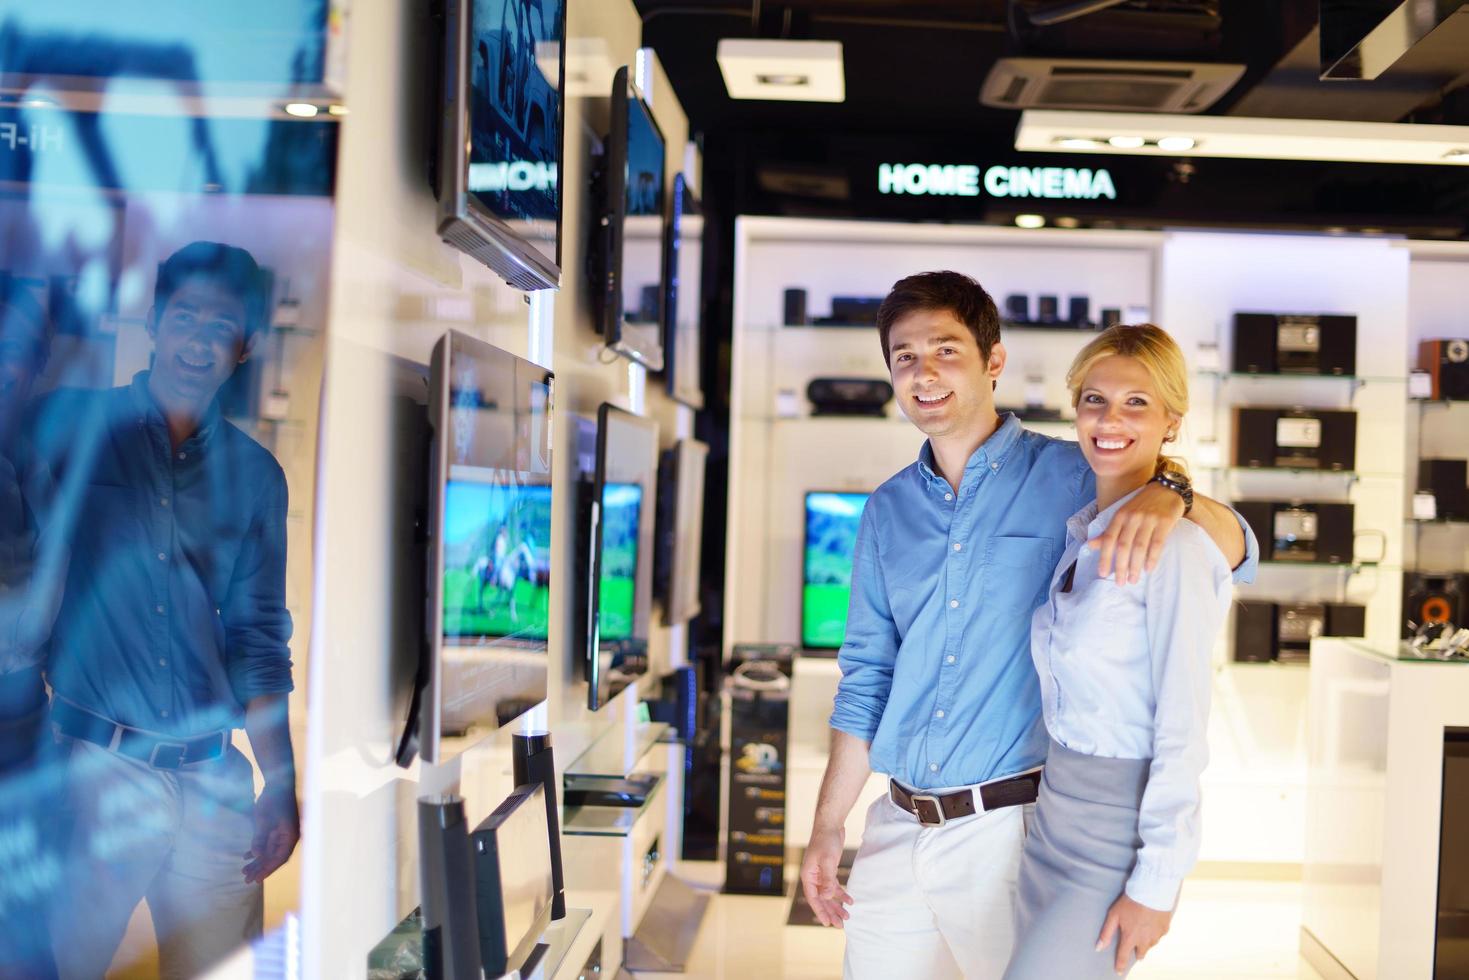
x=1178, y=483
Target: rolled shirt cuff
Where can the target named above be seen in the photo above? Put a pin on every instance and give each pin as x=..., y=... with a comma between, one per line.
x=1157, y=892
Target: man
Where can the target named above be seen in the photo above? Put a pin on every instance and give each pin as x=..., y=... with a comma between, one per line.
x=173, y=632
x=938, y=691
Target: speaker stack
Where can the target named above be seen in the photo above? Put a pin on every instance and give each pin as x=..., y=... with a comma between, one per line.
x=1447, y=364
x=1434, y=598
x=1266, y=631
x=1281, y=343
x=1295, y=438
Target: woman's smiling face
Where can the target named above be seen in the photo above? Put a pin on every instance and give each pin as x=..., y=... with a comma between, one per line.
x=1120, y=418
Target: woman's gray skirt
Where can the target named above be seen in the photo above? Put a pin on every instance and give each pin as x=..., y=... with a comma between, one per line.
x=1080, y=849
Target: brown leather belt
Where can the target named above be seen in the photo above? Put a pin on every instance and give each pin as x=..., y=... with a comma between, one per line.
x=934, y=810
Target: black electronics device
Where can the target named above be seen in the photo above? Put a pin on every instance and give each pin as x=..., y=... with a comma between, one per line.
x=615, y=528
x=497, y=169
x=794, y=301
x=1079, y=312
x=855, y=310
x=1110, y=317
x=1265, y=631
x=678, y=704
x=534, y=762
x=446, y=881
x=1017, y=308
x=632, y=790
x=1448, y=481
x=513, y=881
x=1434, y=598
x=1047, y=309
x=1447, y=364
x=849, y=396
x=1295, y=438
x=679, y=530
x=628, y=241
x=1286, y=343
x=1299, y=531
x=683, y=311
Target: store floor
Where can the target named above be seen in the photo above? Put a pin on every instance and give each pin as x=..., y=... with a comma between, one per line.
x=1226, y=929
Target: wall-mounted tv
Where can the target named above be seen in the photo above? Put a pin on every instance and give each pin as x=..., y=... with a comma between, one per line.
x=489, y=558
x=826, y=580
x=680, y=529
x=682, y=305
x=498, y=167
x=628, y=254
x=617, y=546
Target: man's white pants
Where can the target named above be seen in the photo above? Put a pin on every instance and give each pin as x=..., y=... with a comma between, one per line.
x=175, y=838
x=934, y=902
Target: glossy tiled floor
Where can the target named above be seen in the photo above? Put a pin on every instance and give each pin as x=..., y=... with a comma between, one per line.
x=1226, y=929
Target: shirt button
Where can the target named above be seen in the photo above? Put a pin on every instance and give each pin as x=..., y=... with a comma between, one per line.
x=163, y=501
x=958, y=546
x=949, y=659
x=162, y=556
x=939, y=713
x=158, y=609
x=163, y=663
x=183, y=455
x=953, y=603
x=994, y=466
x=948, y=496
x=933, y=767
x=163, y=713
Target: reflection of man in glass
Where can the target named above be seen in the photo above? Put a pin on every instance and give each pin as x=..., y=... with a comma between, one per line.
x=173, y=633
x=30, y=567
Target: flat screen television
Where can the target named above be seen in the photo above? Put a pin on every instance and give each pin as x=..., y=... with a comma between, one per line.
x=826, y=579
x=680, y=529
x=489, y=558
x=617, y=525
x=682, y=305
x=628, y=257
x=513, y=879
x=498, y=168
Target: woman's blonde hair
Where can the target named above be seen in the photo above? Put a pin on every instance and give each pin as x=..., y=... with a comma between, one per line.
x=1152, y=347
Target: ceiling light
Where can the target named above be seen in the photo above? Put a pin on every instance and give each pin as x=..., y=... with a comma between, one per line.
x=302, y=110
x=1029, y=221
x=1250, y=138
x=1176, y=144
x=777, y=70
x=1126, y=142
x=336, y=109
x=1068, y=223
x=1079, y=143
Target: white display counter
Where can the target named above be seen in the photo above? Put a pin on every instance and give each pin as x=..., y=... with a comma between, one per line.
x=1375, y=794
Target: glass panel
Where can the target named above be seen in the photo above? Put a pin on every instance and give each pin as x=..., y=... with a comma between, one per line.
x=165, y=230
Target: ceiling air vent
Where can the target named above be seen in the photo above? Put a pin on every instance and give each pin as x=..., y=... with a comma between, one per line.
x=1121, y=86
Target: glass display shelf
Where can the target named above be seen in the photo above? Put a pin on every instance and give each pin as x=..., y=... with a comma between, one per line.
x=1080, y=331
x=608, y=756
x=607, y=821
x=1255, y=376
x=1289, y=563
x=1280, y=664
x=400, y=955
x=1402, y=653
x=1306, y=471
x=1441, y=521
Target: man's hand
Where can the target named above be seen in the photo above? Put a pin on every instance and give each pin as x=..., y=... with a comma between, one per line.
x=819, y=877
x=277, y=829
x=1137, y=927
x=1133, y=542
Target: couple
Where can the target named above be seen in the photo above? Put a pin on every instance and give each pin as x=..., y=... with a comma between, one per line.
x=998, y=556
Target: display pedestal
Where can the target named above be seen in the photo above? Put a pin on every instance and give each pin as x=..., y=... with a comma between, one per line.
x=758, y=702
x=666, y=936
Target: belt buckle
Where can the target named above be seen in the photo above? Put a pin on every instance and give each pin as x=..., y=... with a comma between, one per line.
x=178, y=751
x=938, y=811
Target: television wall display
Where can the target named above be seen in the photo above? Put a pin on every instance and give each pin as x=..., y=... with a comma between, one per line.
x=682, y=305
x=831, y=539
x=490, y=532
x=618, y=532
x=629, y=264
x=502, y=135
x=680, y=529
x=513, y=879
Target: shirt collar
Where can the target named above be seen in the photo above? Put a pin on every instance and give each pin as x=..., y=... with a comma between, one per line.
x=991, y=453
x=1086, y=523
x=143, y=403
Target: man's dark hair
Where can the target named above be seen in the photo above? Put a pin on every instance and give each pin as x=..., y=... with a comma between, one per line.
x=18, y=301
x=233, y=268
x=951, y=291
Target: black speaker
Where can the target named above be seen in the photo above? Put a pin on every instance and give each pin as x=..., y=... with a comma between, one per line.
x=1447, y=364
x=1047, y=309
x=1110, y=317
x=1079, y=311
x=1254, y=632
x=1296, y=531
x=1433, y=598
x=849, y=396
x=855, y=310
x=1017, y=308
x=533, y=762
x=1280, y=343
x=1295, y=438
x=1448, y=481
x=795, y=307
x=1283, y=631
x=446, y=879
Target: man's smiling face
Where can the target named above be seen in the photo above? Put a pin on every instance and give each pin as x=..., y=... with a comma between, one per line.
x=199, y=339
x=942, y=382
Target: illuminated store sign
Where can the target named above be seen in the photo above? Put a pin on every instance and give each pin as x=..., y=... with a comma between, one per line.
x=965, y=180
x=518, y=176
x=37, y=138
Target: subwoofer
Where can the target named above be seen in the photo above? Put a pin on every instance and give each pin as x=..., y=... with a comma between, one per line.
x=1447, y=364
x=1433, y=598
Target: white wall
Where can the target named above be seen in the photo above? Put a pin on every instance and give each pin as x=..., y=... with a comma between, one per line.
x=389, y=270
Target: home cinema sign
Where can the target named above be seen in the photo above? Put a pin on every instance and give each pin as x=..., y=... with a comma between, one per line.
x=967, y=180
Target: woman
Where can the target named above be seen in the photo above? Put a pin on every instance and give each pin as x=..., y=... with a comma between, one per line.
x=1124, y=672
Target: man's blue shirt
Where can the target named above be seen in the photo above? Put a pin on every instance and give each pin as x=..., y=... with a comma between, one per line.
x=936, y=667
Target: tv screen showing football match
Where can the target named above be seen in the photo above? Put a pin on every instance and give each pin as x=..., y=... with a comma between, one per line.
x=831, y=540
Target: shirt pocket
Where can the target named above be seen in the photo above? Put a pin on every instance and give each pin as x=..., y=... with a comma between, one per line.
x=1017, y=572
x=109, y=519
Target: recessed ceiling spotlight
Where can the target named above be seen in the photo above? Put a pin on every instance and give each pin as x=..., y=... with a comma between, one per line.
x=787, y=81
x=302, y=110
x=1457, y=156
x=1126, y=142
x=1176, y=144
x=1080, y=143
x=1067, y=222
x=782, y=70
x=337, y=109
x=1029, y=221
